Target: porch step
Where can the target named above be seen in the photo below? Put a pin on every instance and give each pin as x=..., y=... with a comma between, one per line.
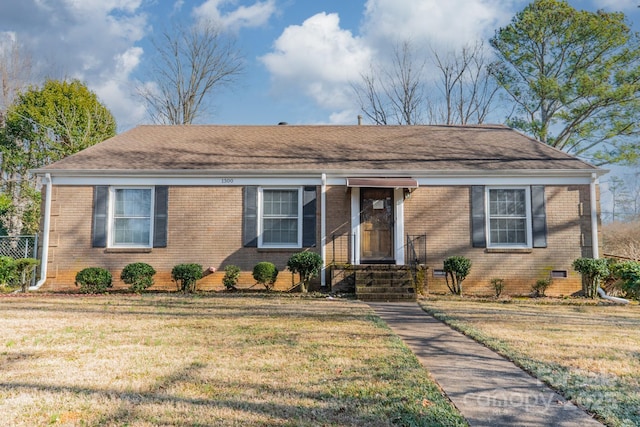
x=384, y=283
x=387, y=298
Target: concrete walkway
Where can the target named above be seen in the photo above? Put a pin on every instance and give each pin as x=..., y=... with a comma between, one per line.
x=488, y=389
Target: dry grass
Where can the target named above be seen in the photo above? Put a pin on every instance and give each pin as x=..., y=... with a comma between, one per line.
x=207, y=361
x=591, y=353
x=622, y=239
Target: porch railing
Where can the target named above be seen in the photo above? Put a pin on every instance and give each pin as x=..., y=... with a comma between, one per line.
x=415, y=253
x=342, y=249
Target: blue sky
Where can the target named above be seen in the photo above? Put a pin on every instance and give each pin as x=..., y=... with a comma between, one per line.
x=301, y=55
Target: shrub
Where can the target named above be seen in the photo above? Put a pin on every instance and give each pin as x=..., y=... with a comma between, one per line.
x=231, y=276
x=186, y=276
x=420, y=281
x=540, y=287
x=138, y=275
x=593, y=272
x=25, y=267
x=266, y=274
x=629, y=273
x=498, y=286
x=94, y=280
x=457, y=269
x=307, y=265
x=7, y=271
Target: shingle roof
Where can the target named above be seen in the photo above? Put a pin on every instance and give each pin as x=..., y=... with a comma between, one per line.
x=320, y=148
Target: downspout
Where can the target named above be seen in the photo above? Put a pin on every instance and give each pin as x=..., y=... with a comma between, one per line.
x=594, y=217
x=323, y=230
x=594, y=238
x=44, y=259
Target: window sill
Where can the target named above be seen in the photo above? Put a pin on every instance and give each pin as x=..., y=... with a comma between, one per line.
x=509, y=250
x=128, y=250
x=283, y=249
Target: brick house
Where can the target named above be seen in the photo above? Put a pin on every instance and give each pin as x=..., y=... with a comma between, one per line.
x=372, y=196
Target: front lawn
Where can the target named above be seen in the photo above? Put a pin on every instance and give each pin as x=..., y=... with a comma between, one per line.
x=591, y=353
x=208, y=361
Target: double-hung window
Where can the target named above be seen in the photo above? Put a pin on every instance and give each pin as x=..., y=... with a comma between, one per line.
x=131, y=219
x=509, y=217
x=280, y=218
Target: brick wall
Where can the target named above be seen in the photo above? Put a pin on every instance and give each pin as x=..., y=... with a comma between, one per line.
x=205, y=227
x=442, y=213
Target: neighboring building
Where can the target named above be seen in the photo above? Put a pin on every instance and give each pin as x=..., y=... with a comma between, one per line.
x=357, y=195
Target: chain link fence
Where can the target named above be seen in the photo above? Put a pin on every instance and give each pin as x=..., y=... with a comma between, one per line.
x=19, y=246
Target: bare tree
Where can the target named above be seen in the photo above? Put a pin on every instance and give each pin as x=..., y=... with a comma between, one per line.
x=16, y=71
x=393, y=95
x=190, y=63
x=466, y=85
x=398, y=94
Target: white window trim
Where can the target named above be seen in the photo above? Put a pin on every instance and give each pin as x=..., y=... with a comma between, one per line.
x=111, y=218
x=529, y=229
x=261, y=244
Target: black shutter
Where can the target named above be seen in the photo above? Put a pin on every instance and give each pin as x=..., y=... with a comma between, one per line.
x=160, y=217
x=538, y=217
x=250, y=217
x=478, y=223
x=309, y=217
x=100, y=206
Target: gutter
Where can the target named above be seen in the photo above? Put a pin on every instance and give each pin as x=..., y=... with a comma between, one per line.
x=44, y=259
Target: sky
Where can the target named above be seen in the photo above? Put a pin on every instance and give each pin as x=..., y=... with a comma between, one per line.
x=301, y=56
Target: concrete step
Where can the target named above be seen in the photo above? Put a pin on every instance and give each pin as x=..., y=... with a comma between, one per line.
x=384, y=290
x=387, y=297
x=385, y=282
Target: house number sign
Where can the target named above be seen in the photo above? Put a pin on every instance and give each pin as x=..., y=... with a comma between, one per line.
x=227, y=180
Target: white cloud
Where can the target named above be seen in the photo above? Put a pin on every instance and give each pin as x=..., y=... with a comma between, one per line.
x=320, y=58
x=91, y=40
x=256, y=15
x=117, y=91
x=450, y=23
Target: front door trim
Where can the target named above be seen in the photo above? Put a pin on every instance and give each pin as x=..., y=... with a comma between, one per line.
x=398, y=232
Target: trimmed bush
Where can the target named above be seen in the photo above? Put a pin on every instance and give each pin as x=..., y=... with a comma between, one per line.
x=94, y=280
x=138, y=275
x=307, y=265
x=266, y=274
x=540, y=287
x=231, y=276
x=594, y=272
x=186, y=276
x=457, y=269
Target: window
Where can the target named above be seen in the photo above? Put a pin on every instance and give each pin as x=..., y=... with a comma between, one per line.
x=131, y=217
x=280, y=217
x=508, y=217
